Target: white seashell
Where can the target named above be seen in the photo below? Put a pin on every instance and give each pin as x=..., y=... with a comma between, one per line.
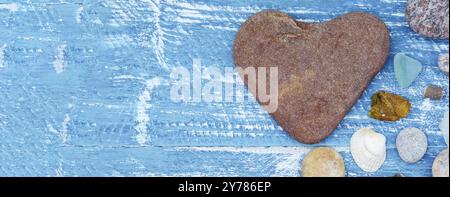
x=368, y=149
x=444, y=127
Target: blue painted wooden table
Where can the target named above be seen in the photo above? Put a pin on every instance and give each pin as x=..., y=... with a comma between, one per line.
x=84, y=90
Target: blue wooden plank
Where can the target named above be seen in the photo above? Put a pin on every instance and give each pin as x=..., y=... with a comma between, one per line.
x=200, y=161
x=86, y=81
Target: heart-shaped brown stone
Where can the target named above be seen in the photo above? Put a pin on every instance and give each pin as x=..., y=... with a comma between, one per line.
x=323, y=67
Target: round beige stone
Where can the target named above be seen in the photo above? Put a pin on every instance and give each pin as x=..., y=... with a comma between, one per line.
x=440, y=165
x=323, y=162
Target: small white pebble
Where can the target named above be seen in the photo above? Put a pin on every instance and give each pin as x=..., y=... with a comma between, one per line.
x=443, y=63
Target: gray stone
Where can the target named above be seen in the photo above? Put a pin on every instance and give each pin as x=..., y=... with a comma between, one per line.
x=440, y=165
x=412, y=145
x=399, y=175
x=429, y=18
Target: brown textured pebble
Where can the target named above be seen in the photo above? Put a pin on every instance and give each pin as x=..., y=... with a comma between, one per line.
x=443, y=63
x=323, y=67
x=323, y=162
x=434, y=92
x=429, y=18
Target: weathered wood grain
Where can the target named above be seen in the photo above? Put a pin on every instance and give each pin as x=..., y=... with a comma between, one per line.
x=84, y=90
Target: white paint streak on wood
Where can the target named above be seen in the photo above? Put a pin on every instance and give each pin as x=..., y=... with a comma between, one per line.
x=142, y=117
x=63, y=132
x=426, y=104
x=78, y=14
x=158, y=174
x=393, y=1
x=253, y=150
x=12, y=7
x=205, y=7
x=289, y=166
x=59, y=170
x=223, y=28
x=126, y=77
x=2, y=56
x=396, y=24
x=289, y=158
x=158, y=34
x=357, y=117
x=52, y=129
x=398, y=14
x=65, y=129
x=58, y=64
x=257, y=150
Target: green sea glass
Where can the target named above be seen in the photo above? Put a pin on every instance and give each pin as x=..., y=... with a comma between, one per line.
x=406, y=69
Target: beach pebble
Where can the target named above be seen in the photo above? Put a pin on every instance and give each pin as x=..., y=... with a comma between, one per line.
x=440, y=165
x=323, y=162
x=429, y=18
x=389, y=107
x=368, y=149
x=350, y=50
x=443, y=63
x=412, y=145
x=399, y=175
x=434, y=92
x=444, y=126
x=406, y=69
